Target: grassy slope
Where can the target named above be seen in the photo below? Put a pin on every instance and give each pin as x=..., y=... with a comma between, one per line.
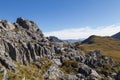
x=108, y=46
x=30, y=72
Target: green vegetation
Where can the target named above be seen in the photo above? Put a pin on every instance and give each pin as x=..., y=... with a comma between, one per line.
x=1, y=32
x=1, y=76
x=46, y=65
x=30, y=72
x=69, y=66
x=117, y=67
x=58, y=54
x=1, y=73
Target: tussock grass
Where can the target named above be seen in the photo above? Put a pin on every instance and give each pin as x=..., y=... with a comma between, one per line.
x=109, y=47
x=69, y=66
x=30, y=72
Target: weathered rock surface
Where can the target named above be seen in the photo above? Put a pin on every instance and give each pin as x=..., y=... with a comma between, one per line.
x=54, y=73
x=117, y=77
x=7, y=62
x=23, y=41
x=4, y=73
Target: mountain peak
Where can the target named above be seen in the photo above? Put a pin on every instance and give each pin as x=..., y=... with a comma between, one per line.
x=6, y=25
x=117, y=35
x=90, y=39
x=27, y=24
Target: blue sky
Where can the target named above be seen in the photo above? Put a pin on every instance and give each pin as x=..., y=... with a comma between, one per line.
x=54, y=16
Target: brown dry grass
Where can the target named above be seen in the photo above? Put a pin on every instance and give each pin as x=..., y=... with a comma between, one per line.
x=109, y=47
x=30, y=72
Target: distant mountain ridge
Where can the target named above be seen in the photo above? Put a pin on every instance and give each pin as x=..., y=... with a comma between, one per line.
x=117, y=35
x=89, y=40
x=53, y=38
x=73, y=40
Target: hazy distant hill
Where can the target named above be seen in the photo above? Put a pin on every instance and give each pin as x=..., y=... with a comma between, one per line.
x=53, y=38
x=72, y=40
x=117, y=35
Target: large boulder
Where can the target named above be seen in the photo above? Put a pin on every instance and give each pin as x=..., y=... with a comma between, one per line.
x=8, y=63
x=6, y=25
x=54, y=73
x=117, y=77
x=30, y=25
x=84, y=69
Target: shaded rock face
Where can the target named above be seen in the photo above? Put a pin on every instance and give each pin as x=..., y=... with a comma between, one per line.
x=117, y=77
x=89, y=40
x=117, y=35
x=30, y=25
x=7, y=62
x=85, y=70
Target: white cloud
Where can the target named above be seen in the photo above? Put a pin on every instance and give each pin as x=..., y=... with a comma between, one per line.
x=84, y=32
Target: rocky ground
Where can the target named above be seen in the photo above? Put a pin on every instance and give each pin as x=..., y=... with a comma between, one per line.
x=25, y=54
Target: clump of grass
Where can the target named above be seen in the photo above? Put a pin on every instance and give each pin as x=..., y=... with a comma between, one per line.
x=46, y=65
x=69, y=66
x=15, y=30
x=70, y=63
x=1, y=76
x=58, y=54
x=30, y=72
x=1, y=73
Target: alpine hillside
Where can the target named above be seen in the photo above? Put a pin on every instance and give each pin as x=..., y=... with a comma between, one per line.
x=26, y=54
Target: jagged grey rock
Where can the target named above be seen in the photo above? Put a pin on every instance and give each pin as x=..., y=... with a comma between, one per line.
x=95, y=74
x=84, y=69
x=5, y=76
x=72, y=77
x=57, y=62
x=54, y=73
x=7, y=62
x=6, y=25
x=4, y=72
x=21, y=41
